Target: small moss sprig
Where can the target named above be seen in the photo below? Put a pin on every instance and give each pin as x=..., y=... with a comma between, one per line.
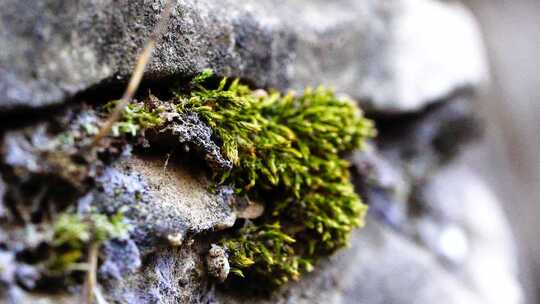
x=73, y=233
x=265, y=253
x=135, y=118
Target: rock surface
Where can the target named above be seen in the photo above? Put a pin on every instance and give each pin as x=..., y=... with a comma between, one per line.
x=458, y=198
x=166, y=203
x=178, y=197
x=378, y=268
x=434, y=234
x=395, y=56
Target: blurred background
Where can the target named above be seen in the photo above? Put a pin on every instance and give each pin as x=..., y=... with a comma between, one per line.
x=510, y=157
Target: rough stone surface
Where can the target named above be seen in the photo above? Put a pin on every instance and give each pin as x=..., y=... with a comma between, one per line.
x=393, y=55
x=381, y=268
x=122, y=258
x=166, y=202
x=171, y=275
x=408, y=150
x=434, y=234
x=420, y=143
x=457, y=197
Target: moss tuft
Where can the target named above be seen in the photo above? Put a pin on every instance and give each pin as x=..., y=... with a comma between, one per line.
x=287, y=153
x=74, y=232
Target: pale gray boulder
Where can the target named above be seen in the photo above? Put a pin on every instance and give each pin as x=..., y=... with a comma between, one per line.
x=393, y=56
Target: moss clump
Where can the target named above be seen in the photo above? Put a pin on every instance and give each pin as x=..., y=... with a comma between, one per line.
x=286, y=152
x=74, y=232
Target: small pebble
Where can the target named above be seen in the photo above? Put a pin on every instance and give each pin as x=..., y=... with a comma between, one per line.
x=175, y=239
x=217, y=262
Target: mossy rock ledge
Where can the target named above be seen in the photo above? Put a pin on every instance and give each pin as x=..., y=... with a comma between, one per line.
x=276, y=152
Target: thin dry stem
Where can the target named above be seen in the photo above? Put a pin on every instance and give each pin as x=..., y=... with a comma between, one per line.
x=138, y=72
x=91, y=273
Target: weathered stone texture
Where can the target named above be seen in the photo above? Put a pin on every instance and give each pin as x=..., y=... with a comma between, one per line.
x=392, y=55
x=434, y=234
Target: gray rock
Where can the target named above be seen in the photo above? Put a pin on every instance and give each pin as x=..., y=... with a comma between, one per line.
x=379, y=267
x=458, y=199
x=382, y=185
x=122, y=258
x=407, y=151
x=190, y=130
x=421, y=143
x=393, y=55
x=7, y=268
x=165, y=203
x=171, y=275
x=435, y=49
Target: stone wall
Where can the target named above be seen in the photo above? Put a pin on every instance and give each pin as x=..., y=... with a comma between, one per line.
x=435, y=232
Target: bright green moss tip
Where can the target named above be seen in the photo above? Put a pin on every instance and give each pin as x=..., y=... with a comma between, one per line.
x=135, y=118
x=287, y=153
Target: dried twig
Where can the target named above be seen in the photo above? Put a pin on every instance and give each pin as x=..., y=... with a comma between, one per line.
x=91, y=273
x=138, y=72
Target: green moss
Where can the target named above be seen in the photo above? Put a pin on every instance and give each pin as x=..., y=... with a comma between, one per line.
x=286, y=152
x=136, y=117
x=265, y=252
x=74, y=232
